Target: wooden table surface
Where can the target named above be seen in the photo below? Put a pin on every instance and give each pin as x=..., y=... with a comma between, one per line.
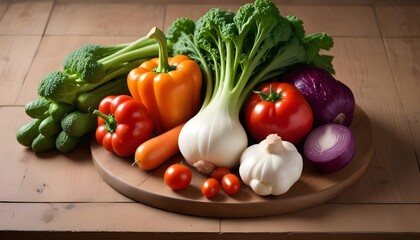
x=56, y=196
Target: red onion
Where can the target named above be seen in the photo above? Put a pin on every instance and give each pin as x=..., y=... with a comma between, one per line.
x=331, y=100
x=330, y=147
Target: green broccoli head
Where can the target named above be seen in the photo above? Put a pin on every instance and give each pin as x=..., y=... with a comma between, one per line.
x=241, y=49
x=297, y=26
x=180, y=34
x=179, y=27
x=214, y=31
x=59, y=87
x=261, y=28
x=84, y=63
x=214, y=26
x=256, y=16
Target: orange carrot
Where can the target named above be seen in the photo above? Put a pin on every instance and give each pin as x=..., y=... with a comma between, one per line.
x=153, y=152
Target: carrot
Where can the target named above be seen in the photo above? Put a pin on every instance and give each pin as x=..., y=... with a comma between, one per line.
x=155, y=151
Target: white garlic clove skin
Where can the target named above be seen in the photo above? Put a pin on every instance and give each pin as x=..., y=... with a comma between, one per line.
x=271, y=167
x=261, y=188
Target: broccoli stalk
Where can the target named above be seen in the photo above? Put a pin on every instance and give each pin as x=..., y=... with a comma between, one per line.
x=91, y=66
x=236, y=51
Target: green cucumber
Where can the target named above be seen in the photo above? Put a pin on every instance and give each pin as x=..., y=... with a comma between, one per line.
x=59, y=110
x=78, y=124
x=43, y=143
x=65, y=143
x=49, y=127
x=28, y=132
x=37, y=108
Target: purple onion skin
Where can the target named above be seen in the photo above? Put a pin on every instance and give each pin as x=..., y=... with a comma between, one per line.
x=334, y=158
x=331, y=100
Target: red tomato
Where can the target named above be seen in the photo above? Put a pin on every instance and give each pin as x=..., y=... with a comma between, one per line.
x=231, y=184
x=210, y=187
x=177, y=176
x=278, y=108
x=123, y=124
x=219, y=172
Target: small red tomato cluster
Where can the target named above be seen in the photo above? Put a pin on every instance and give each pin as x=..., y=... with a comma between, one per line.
x=221, y=176
x=178, y=177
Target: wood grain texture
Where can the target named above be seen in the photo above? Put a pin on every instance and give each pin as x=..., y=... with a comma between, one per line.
x=336, y=20
x=174, y=11
x=3, y=7
x=108, y=217
x=370, y=218
x=313, y=187
x=16, y=54
x=399, y=21
x=105, y=220
x=25, y=18
x=104, y=19
x=404, y=58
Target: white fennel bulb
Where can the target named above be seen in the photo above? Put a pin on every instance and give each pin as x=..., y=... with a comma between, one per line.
x=213, y=138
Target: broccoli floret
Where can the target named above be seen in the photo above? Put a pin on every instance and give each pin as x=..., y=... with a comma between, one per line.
x=182, y=25
x=83, y=62
x=239, y=50
x=92, y=63
x=60, y=87
x=91, y=66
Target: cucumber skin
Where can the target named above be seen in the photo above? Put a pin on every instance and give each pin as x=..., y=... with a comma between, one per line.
x=49, y=127
x=58, y=110
x=43, y=144
x=37, y=108
x=65, y=143
x=78, y=124
x=28, y=132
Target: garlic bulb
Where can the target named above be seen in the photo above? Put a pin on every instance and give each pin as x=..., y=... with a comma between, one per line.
x=271, y=166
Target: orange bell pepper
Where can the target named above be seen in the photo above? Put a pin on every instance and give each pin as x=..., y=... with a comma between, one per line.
x=170, y=88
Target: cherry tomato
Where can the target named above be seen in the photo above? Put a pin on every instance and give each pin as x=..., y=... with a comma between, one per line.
x=231, y=184
x=219, y=172
x=210, y=187
x=280, y=108
x=177, y=176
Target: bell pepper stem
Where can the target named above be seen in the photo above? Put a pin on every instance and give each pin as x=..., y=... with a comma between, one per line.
x=110, y=122
x=159, y=36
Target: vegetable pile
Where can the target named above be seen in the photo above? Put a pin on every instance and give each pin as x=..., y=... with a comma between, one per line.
x=237, y=51
x=62, y=115
x=232, y=76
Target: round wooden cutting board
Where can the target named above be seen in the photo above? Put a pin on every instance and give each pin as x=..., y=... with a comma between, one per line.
x=313, y=187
